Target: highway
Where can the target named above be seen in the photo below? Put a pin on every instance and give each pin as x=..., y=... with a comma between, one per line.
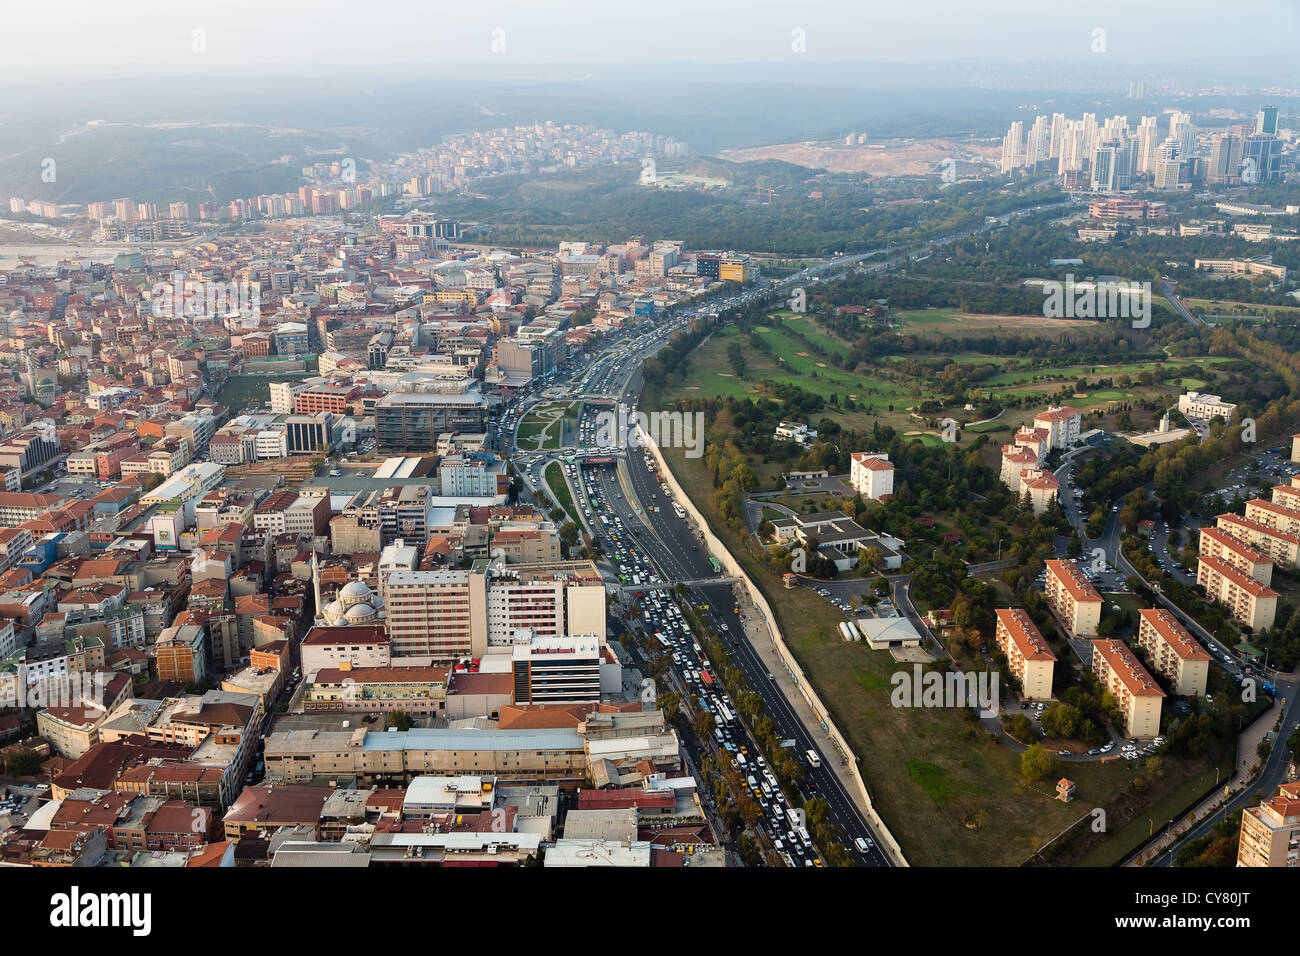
x=650, y=541
x=1168, y=291
x=677, y=554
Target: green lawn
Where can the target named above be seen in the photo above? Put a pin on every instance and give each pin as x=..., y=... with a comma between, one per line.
x=240, y=391
x=543, y=426
x=560, y=489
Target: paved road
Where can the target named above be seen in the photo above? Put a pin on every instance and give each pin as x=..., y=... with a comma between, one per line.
x=1168, y=291
x=1273, y=775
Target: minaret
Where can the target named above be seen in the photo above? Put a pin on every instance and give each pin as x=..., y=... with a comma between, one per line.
x=315, y=581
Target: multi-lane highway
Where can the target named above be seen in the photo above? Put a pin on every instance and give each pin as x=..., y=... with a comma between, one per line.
x=648, y=529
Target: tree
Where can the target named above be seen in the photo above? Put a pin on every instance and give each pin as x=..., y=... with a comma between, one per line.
x=23, y=763
x=400, y=719
x=1038, y=763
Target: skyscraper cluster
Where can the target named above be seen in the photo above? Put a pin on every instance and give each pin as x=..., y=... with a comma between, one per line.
x=1112, y=155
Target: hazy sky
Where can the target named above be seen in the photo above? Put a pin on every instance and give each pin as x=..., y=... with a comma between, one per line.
x=58, y=37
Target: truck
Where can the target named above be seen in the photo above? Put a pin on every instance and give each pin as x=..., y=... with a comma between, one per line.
x=813, y=759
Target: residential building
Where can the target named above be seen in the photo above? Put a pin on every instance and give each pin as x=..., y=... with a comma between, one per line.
x=871, y=474
x=1062, y=424
x=1243, y=557
x=1270, y=832
x=1073, y=598
x=1135, y=691
x=1029, y=657
x=1250, y=602
x=1173, y=652
x=1282, y=547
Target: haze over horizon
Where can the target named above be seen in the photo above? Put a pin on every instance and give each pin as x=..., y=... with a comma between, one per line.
x=143, y=36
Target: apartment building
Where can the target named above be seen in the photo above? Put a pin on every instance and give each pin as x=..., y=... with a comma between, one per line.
x=1250, y=602
x=451, y=613
x=17, y=507
x=1273, y=516
x=1030, y=659
x=1062, y=424
x=360, y=645
x=436, y=615
x=1173, y=652
x=1220, y=544
x=288, y=512
x=1016, y=461
x=1135, y=691
x=419, y=691
x=871, y=474
x=181, y=654
x=557, y=670
x=1071, y=596
x=1035, y=439
x=1288, y=496
x=1282, y=547
x=1042, y=487
x=1270, y=832
x=549, y=600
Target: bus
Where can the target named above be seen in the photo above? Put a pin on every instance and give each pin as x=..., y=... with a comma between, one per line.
x=679, y=510
x=664, y=641
x=707, y=678
x=713, y=563
x=813, y=759
x=725, y=714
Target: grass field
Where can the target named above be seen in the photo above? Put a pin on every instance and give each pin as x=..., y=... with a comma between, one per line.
x=543, y=426
x=892, y=397
x=560, y=489
x=1227, y=307
x=956, y=322
x=240, y=391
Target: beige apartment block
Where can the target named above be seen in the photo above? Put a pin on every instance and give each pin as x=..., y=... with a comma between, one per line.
x=1270, y=832
x=1030, y=659
x=1273, y=516
x=1282, y=547
x=1072, y=597
x=1173, y=652
x=1134, y=689
x=1243, y=557
x=1250, y=602
x=1288, y=496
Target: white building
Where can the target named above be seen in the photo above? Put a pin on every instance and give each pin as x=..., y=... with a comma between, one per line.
x=1062, y=424
x=871, y=474
x=1201, y=406
x=796, y=432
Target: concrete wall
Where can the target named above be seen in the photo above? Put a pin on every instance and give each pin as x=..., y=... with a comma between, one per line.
x=733, y=567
